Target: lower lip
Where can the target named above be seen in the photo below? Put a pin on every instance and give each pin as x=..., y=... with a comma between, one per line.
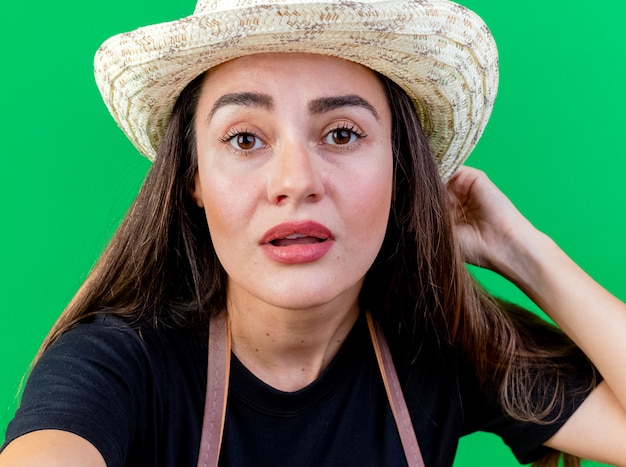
x=297, y=254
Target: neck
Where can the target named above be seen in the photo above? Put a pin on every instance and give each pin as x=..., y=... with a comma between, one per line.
x=288, y=349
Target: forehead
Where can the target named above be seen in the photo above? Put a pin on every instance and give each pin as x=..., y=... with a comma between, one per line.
x=294, y=73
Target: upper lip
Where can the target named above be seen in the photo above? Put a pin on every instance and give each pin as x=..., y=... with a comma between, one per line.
x=305, y=228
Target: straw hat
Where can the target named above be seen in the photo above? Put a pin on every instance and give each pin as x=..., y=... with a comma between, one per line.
x=439, y=52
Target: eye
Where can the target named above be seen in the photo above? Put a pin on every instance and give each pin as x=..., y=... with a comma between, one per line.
x=246, y=141
x=343, y=135
x=243, y=140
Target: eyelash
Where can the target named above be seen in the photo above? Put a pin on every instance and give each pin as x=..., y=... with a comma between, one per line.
x=228, y=137
x=351, y=128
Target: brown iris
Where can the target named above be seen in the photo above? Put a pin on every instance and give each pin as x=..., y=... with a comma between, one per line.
x=246, y=140
x=341, y=136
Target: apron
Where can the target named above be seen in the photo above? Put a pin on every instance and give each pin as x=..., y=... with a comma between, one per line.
x=217, y=391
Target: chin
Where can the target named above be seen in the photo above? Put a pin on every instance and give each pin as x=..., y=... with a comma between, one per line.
x=306, y=297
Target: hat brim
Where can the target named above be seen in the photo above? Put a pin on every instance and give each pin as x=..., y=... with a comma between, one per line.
x=439, y=52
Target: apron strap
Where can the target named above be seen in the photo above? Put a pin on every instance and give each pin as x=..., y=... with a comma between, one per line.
x=395, y=396
x=217, y=392
x=218, y=374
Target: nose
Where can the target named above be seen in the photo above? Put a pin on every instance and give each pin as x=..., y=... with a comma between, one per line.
x=295, y=175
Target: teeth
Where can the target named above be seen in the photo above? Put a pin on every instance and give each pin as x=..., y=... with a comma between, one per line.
x=294, y=236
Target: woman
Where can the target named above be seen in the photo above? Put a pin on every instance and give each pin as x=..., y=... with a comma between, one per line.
x=294, y=213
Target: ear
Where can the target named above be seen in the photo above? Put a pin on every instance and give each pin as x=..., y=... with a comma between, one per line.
x=196, y=191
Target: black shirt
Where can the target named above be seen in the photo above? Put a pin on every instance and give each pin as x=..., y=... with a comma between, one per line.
x=138, y=397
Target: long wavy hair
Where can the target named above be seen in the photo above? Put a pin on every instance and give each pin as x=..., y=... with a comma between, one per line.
x=160, y=269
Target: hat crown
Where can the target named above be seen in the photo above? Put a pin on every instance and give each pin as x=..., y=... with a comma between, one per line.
x=208, y=6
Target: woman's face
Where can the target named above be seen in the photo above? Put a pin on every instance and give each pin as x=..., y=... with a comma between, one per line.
x=295, y=176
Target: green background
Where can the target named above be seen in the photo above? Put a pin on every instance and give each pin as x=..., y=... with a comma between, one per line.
x=67, y=174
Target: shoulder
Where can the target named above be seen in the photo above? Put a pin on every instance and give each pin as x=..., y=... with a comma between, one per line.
x=127, y=360
x=445, y=400
x=114, y=384
x=126, y=345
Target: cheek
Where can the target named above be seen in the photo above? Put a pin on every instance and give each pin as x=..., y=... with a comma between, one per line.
x=228, y=216
x=226, y=207
x=377, y=190
x=370, y=203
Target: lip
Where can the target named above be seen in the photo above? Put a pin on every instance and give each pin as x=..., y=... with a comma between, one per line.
x=322, y=241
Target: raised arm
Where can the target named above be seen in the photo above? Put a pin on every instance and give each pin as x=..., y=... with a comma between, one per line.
x=493, y=234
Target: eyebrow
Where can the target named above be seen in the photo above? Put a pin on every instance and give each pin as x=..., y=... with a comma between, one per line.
x=247, y=99
x=316, y=106
x=326, y=104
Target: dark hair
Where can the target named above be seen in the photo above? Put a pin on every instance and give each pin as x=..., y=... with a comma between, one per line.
x=432, y=296
x=161, y=268
x=160, y=265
